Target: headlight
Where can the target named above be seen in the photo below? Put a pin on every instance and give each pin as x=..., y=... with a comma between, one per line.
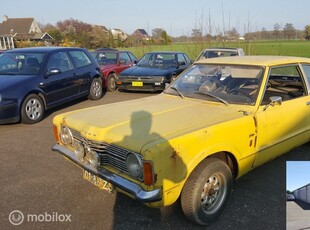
x=79, y=150
x=134, y=165
x=66, y=135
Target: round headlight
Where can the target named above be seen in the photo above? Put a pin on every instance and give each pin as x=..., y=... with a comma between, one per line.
x=79, y=150
x=66, y=135
x=134, y=165
x=93, y=158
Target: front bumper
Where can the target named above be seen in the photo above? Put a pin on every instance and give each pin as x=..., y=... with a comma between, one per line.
x=8, y=112
x=135, y=190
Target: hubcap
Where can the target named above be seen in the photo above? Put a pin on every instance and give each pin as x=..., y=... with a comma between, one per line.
x=33, y=109
x=213, y=193
x=96, y=89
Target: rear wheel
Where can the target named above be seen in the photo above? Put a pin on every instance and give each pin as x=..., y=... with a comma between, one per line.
x=32, y=110
x=112, y=82
x=95, y=91
x=206, y=192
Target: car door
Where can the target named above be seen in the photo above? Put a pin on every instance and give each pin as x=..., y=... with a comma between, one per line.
x=281, y=127
x=60, y=82
x=83, y=70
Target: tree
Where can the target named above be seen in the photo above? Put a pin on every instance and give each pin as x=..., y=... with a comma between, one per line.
x=307, y=32
x=276, y=31
x=75, y=31
x=289, y=31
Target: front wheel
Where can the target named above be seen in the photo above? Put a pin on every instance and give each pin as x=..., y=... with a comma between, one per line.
x=207, y=191
x=95, y=91
x=112, y=82
x=32, y=110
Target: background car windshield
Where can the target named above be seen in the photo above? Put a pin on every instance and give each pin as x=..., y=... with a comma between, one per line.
x=234, y=84
x=213, y=54
x=105, y=58
x=158, y=60
x=21, y=63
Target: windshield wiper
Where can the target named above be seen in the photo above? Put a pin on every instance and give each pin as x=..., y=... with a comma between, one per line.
x=180, y=94
x=6, y=73
x=213, y=96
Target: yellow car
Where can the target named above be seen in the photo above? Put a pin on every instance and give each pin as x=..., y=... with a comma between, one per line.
x=221, y=118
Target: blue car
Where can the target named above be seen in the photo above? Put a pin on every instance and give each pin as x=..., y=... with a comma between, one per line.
x=33, y=80
x=153, y=71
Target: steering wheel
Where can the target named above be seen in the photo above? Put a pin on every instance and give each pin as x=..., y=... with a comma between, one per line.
x=237, y=91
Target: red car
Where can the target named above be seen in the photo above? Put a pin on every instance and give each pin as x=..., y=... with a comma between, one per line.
x=112, y=62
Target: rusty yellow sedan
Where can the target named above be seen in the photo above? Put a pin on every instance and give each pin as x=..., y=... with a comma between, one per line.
x=221, y=118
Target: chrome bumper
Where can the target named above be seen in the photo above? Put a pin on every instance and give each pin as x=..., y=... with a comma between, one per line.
x=117, y=181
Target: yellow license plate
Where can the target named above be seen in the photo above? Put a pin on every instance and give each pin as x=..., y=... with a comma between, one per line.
x=137, y=83
x=97, y=181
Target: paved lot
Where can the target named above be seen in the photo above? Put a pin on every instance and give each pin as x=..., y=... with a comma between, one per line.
x=297, y=215
x=35, y=180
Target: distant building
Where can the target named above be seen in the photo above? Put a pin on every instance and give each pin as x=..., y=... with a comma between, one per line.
x=21, y=29
x=303, y=193
x=119, y=35
x=142, y=35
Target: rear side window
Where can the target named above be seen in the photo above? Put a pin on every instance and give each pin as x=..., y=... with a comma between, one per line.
x=80, y=59
x=306, y=69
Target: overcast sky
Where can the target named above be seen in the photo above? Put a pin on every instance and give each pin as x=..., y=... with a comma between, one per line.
x=177, y=17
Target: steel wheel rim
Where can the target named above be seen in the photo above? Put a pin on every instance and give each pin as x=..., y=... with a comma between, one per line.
x=213, y=193
x=112, y=82
x=33, y=109
x=96, y=89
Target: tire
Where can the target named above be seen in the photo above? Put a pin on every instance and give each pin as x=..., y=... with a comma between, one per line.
x=95, y=91
x=32, y=110
x=112, y=82
x=207, y=191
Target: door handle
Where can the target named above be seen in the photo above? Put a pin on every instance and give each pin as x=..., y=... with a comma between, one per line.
x=308, y=103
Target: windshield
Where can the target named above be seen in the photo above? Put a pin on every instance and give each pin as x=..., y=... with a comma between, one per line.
x=163, y=60
x=20, y=63
x=105, y=58
x=226, y=84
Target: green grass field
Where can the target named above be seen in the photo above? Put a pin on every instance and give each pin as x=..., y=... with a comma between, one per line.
x=283, y=48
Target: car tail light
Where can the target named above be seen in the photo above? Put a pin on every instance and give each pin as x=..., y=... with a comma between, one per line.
x=148, y=173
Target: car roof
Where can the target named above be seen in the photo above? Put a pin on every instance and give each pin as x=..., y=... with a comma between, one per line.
x=106, y=49
x=165, y=52
x=44, y=49
x=254, y=60
x=222, y=48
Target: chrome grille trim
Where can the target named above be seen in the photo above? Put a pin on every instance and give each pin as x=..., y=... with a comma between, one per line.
x=109, y=154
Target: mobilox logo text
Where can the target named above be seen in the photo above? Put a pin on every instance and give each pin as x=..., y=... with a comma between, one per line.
x=16, y=217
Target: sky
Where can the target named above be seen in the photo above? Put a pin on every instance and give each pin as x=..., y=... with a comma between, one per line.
x=177, y=17
x=297, y=174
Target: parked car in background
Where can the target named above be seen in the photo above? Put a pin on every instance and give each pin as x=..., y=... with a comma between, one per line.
x=33, y=80
x=290, y=197
x=153, y=71
x=112, y=62
x=218, y=120
x=220, y=52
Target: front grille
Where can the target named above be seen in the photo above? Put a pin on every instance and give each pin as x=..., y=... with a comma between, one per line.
x=109, y=154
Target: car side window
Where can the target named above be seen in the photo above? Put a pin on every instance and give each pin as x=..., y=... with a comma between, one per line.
x=285, y=82
x=124, y=58
x=306, y=69
x=80, y=59
x=61, y=61
x=181, y=59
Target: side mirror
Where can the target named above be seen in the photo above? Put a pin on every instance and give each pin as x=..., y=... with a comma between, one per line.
x=273, y=101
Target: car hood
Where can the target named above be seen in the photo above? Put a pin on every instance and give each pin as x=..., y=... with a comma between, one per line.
x=147, y=71
x=7, y=81
x=133, y=124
